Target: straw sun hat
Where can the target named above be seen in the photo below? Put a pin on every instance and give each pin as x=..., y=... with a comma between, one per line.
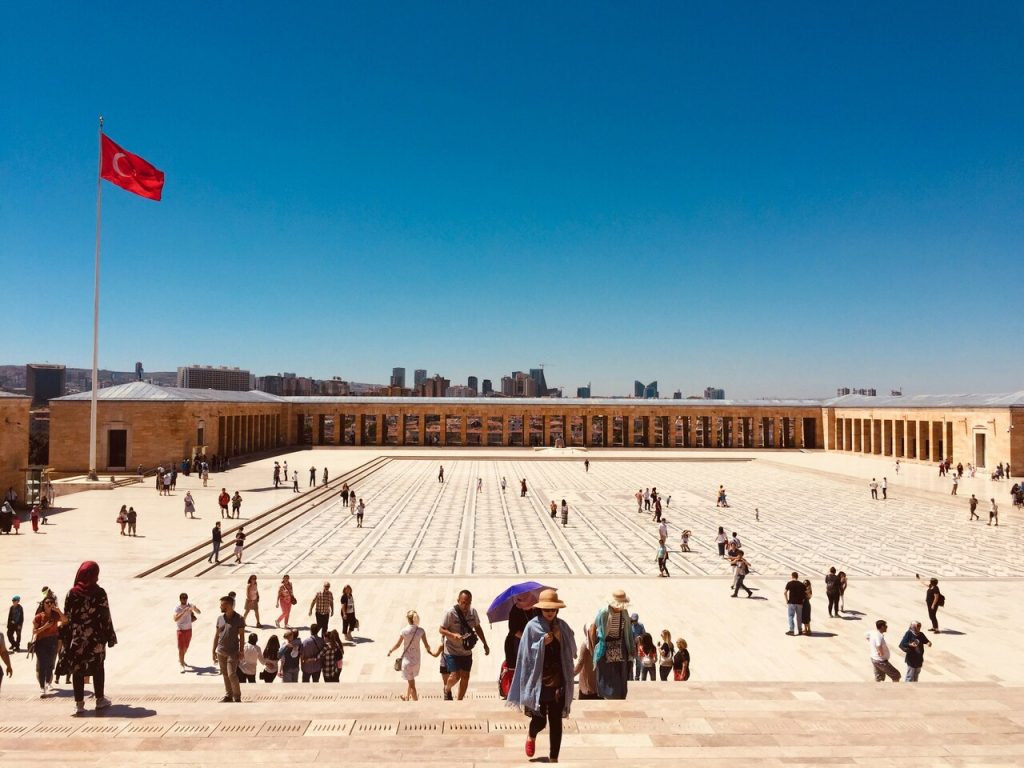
x=549, y=600
x=619, y=599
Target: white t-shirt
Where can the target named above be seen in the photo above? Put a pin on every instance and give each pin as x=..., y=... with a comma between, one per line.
x=411, y=643
x=879, y=648
x=185, y=622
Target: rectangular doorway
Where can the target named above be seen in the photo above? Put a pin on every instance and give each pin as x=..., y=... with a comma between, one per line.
x=117, y=448
x=979, y=449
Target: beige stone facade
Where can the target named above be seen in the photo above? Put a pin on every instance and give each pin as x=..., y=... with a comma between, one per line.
x=983, y=437
x=147, y=426
x=14, y=425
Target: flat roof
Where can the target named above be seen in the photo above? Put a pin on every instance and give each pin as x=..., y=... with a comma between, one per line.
x=141, y=391
x=13, y=395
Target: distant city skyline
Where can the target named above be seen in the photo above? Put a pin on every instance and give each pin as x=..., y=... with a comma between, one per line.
x=772, y=200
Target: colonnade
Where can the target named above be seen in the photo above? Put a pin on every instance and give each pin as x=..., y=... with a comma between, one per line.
x=571, y=428
x=243, y=433
x=901, y=438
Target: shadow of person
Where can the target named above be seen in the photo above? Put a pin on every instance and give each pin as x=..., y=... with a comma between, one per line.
x=126, y=711
x=822, y=634
x=204, y=670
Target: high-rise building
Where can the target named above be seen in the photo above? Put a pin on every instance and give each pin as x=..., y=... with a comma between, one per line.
x=398, y=377
x=508, y=386
x=138, y=371
x=713, y=393
x=436, y=386
x=645, y=391
x=472, y=383
x=419, y=376
x=583, y=392
x=487, y=388
x=525, y=385
x=209, y=377
x=43, y=382
x=541, y=384
x=842, y=391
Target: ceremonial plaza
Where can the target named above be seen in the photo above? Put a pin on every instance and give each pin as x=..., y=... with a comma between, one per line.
x=797, y=476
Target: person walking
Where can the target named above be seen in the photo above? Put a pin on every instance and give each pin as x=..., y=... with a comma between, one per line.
x=933, y=600
x=832, y=592
x=440, y=474
x=347, y=606
x=973, y=505
x=122, y=517
x=554, y=509
x=289, y=657
x=885, y=488
x=586, y=465
x=993, y=512
x=912, y=644
x=223, y=500
x=295, y=481
x=873, y=485
x=133, y=519
x=352, y=502
x=805, y=612
x=585, y=666
x=236, y=505
x=461, y=629
x=614, y=647
x=408, y=663
x=15, y=622
x=479, y=485
x=312, y=481
x=90, y=633
x=794, y=594
x=6, y=659
x=250, y=660
x=228, y=642
x=665, y=655
x=565, y=513
x=742, y=569
x=843, y=583
x=684, y=540
x=334, y=655
x=239, y=545
x=880, y=654
x=344, y=495
x=252, y=600
x=360, y=511
x=184, y=614
x=504, y=484
x=662, y=557
x=721, y=540
x=34, y=518
x=190, y=505
x=647, y=652
x=522, y=488
x=519, y=616
x=323, y=605
x=285, y=600
x=270, y=659
x=45, y=633
x=215, y=539
x=325, y=476
x=681, y=662
x=313, y=655
x=542, y=686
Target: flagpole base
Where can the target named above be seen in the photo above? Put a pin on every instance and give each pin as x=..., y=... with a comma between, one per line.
x=92, y=476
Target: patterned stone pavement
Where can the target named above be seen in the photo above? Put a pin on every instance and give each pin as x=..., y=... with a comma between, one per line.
x=809, y=521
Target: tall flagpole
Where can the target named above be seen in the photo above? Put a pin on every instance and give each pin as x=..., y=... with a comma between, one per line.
x=96, y=316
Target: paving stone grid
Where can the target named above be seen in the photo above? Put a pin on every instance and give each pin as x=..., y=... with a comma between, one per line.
x=809, y=521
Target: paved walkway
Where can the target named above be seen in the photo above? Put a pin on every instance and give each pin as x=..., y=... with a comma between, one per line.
x=424, y=541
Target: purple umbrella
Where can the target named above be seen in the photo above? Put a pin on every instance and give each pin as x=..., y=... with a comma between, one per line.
x=502, y=604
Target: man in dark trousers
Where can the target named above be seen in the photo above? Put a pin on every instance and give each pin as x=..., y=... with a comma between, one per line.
x=15, y=620
x=215, y=539
x=973, y=503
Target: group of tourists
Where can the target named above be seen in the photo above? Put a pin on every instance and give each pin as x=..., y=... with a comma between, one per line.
x=10, y=519
x=69, y=643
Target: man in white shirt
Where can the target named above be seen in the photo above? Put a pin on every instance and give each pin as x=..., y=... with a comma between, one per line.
x=663, y=529
x=183, y=615
x=880, y=654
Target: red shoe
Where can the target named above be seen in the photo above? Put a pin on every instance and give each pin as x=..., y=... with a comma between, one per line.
x=531, y=746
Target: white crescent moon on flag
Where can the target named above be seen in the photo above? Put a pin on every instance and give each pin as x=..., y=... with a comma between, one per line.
x=113, y=162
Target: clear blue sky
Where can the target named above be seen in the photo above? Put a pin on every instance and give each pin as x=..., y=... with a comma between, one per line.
x=776, y=199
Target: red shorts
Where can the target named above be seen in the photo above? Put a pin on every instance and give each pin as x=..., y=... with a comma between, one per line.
x=184, y=638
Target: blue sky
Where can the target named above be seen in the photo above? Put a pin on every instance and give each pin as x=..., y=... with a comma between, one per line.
x=777, y=199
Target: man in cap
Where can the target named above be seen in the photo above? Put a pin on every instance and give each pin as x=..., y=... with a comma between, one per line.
x=15, y=620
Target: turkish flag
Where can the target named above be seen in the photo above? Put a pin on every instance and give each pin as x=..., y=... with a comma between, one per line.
x=130, y=171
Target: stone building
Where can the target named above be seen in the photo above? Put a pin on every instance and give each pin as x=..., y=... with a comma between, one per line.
x=14, y=426
x=142, y=424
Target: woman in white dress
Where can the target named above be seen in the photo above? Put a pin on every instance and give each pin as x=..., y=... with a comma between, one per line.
x=409, y=662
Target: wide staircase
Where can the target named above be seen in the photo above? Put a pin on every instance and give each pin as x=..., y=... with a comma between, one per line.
x=705, y=724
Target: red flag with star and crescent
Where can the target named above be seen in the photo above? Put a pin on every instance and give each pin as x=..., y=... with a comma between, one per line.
x=130, y=171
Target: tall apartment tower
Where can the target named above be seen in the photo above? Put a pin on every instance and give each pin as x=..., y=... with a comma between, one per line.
x=472, y=382
x=44, y=382
x=486, y=387
x=208, y=377
x=419, y=376
x=398, y=377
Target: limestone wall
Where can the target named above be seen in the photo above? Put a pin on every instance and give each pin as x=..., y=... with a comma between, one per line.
x=14, y=422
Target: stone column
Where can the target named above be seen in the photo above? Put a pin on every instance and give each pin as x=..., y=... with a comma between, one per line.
x=357, y=428
x=505, y=436
x=628, y=428
x=463, y=429
x=585, y=425
x=421, y=421
x=443, y=435
x=400, y=427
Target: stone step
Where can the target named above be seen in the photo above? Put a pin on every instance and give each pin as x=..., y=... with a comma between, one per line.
x=928, y=723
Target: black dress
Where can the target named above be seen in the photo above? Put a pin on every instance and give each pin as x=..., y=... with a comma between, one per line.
x=517, y=621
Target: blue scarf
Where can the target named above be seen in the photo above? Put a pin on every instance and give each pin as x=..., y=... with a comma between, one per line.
x=524, y=692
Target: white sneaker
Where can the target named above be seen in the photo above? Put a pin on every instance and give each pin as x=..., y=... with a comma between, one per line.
x=79, y=709
x=103, y=703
